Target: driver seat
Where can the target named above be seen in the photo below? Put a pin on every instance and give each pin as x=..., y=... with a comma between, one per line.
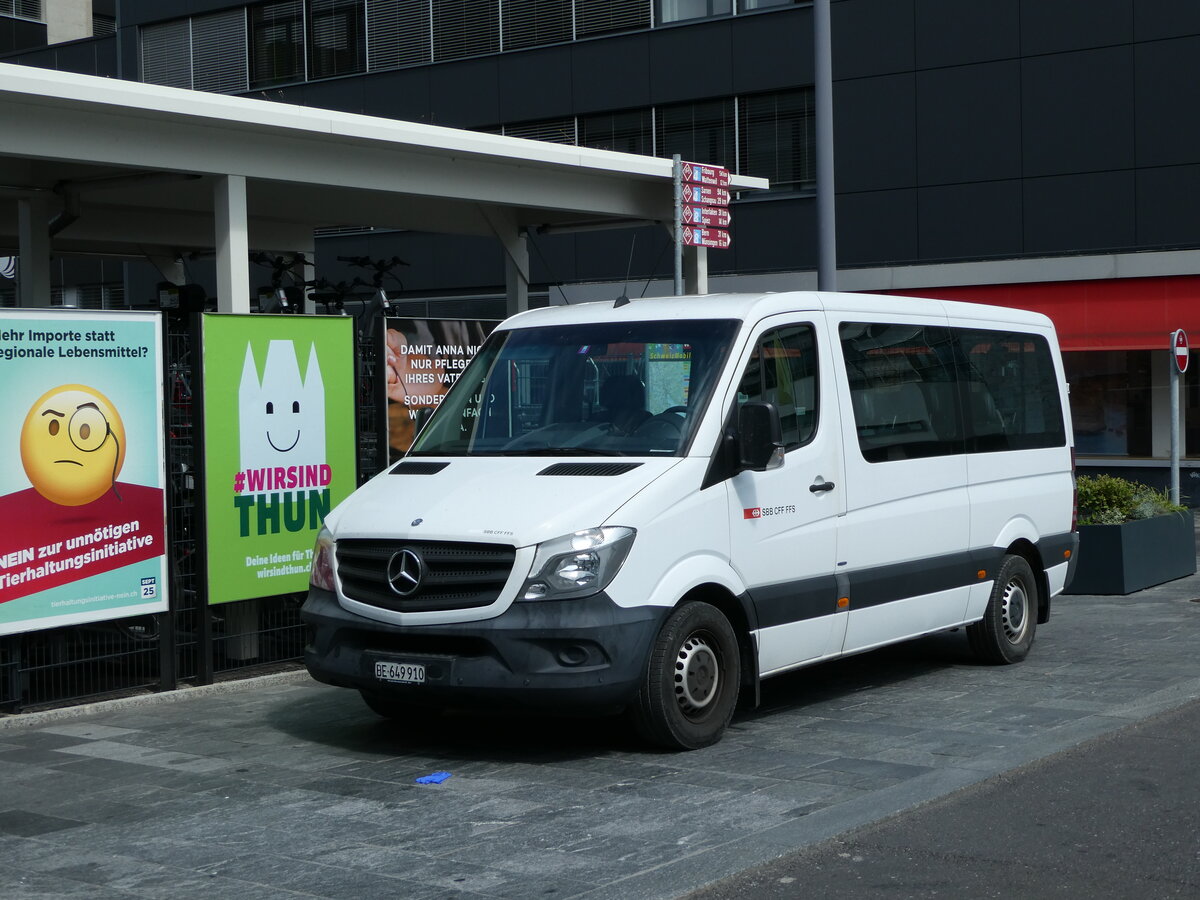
x=624, y=400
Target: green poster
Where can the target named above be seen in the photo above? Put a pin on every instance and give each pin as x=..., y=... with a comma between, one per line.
x=279, y=446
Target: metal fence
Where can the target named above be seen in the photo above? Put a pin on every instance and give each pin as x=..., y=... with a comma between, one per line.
x=193, y=642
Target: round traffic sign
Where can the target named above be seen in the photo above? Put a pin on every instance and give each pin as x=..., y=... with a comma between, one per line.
x=1179, y=346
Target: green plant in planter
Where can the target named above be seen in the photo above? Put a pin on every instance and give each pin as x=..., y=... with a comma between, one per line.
x=1109, y=500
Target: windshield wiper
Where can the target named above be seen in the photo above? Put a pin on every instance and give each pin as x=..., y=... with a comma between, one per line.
x=561, y=451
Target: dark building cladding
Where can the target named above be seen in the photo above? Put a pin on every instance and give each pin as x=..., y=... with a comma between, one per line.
x=969, y=136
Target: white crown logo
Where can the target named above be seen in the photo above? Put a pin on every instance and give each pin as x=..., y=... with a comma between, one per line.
x=281, y=417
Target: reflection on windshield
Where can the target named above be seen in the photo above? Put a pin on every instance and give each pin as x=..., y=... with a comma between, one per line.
x=598, y=389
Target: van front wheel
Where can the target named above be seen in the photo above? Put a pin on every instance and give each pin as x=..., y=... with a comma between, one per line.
x=1006, y=631
x=691, y=684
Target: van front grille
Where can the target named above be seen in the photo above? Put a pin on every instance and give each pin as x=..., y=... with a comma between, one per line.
x=423, y=576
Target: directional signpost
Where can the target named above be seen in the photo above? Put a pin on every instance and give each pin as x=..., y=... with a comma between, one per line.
x=717, y=238
x=701, y=210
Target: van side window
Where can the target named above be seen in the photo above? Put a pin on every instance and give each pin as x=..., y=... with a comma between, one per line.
x=783, y=371
x=903, y=389
x=1010, y=391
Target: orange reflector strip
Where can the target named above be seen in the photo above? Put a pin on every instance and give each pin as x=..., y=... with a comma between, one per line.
x=843, y=602
x=982, y=573
x=1066, y=554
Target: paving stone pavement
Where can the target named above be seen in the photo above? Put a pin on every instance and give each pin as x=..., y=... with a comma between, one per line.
x=280, y=787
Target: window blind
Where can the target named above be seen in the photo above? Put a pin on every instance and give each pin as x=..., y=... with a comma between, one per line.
x=528, y=23
x=167, y=54
x=397, y=33
x=219, y=52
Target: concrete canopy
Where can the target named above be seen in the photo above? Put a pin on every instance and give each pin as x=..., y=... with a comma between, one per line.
x=125, y=168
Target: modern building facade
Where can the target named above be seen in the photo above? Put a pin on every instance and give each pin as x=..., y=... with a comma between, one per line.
x=1039, y=153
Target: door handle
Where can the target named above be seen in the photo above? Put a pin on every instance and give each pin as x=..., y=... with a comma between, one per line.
x=821, y=486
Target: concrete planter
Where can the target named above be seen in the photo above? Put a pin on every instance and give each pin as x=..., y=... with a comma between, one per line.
x=1121, y=559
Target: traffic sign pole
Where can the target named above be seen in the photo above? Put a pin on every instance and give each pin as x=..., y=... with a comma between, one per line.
x=1179, y=364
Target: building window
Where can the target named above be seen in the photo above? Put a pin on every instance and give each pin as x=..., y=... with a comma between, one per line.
x=777, y=138
x=555, y=131
x=276, y=43
x=219, y=52
x=666, y=11
x=602, y=16
x=465, y=28
x=103, y=26
x=749, y=5
x=699, y=132
x=1110, y=401
x=631, y=131
x=397, y=33
x=336, y=43
x=22, y=9
x=528, y=23
x=167, y=54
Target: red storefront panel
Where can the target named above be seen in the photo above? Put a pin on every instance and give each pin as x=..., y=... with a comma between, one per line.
x=1111, y=314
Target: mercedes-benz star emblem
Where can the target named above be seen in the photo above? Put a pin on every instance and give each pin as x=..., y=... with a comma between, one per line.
x=404, y=572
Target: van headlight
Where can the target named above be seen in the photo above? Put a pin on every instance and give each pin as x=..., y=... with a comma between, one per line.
x=577, y=565
x=321, y=573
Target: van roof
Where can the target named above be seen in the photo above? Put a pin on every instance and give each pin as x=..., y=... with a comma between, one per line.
x=752, y=307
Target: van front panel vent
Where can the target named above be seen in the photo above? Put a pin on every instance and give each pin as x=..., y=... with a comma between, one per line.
x=589, y=469
x=419, y=468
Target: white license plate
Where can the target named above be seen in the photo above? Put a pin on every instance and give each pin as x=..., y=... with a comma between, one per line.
x=405, y=673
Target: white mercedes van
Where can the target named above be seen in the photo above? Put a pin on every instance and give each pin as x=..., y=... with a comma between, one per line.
x=653, y=505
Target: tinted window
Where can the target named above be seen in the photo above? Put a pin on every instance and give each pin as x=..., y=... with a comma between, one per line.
x=903, y=389
x=783, y=371
x=1010, y=391
x=930, y=391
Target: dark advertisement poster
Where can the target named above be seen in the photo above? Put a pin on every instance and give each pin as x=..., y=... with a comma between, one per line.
x=424, y=357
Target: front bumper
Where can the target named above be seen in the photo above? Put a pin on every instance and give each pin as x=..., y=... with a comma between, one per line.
x=566, y=654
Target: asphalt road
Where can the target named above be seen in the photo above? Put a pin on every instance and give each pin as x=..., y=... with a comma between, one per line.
x=1068, y=773
x=1117, y=817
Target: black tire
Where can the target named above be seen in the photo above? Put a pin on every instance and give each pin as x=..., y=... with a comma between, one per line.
x=400, y=710
x=691, y=684
x=1009, y=623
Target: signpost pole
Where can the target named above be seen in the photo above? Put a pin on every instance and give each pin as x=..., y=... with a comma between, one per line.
x=677, y=231
x=1179, y=361
x=826, y=215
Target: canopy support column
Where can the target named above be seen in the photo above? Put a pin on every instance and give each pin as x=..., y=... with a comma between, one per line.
x=33, y=237
x=233, y=244
x=695, y=270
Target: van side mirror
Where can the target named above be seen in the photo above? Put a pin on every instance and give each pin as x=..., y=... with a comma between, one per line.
x=760, y=436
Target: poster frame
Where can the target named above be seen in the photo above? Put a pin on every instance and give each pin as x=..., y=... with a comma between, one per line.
x=158, y=416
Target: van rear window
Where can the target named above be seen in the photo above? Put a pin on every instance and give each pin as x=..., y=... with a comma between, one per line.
x=923, y=390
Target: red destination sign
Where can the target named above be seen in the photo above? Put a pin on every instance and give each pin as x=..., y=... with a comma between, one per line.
x=706, y=216
x=705, y=195
x=697, y=173
x=717, y=238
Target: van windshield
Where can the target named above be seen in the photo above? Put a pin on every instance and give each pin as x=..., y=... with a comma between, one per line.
x=603, y=389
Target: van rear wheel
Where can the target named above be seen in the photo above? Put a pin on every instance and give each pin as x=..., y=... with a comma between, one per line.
x=1009, y=623
x=691, y=684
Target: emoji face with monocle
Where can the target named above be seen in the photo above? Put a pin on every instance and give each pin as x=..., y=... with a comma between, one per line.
x=73, y=445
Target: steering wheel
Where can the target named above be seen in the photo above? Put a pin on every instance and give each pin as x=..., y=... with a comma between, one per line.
x=664, y=429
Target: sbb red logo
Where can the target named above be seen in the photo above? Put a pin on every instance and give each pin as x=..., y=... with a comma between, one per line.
x=755, y=513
